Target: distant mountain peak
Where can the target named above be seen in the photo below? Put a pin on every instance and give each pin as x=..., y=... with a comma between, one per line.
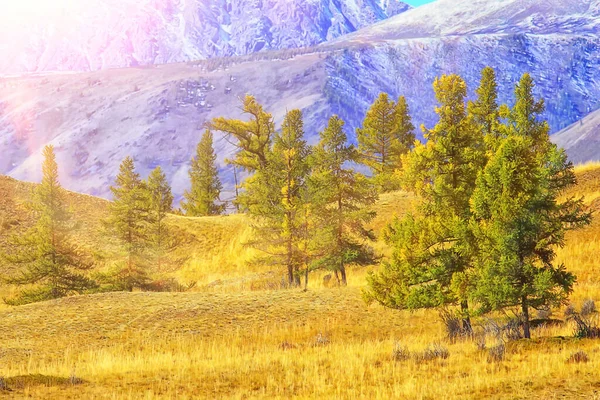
x=98, y=34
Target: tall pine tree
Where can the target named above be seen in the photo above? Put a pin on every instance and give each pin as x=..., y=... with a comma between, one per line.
x=434, y=250
x=160, y=203
x=128, y=224
x=340, y=199
x=45, y=257
x=522, y=215
x=203, y=197
x=387, y=134
x=276, y=199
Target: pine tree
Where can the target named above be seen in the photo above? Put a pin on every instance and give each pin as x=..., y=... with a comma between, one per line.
x=46, y=257
x=127, y=223
x=160, y=203
x=522, y=217
x=341, y=198
x=433, y=249
x=252, y=138
x=404, y=133
x=485, y=109
x=202, y=200
x=386, y=135
x=276, y=199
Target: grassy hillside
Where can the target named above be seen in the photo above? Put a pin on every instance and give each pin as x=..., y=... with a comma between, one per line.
x=228, y=341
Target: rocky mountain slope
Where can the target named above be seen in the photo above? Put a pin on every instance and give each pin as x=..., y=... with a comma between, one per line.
x=96, y=34
x=582, y=139
x=156, y=114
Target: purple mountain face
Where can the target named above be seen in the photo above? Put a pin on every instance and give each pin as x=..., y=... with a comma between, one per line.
x=156, y=114
x=96, y=34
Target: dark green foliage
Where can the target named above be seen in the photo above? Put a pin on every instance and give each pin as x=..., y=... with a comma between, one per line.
x=160, y=237
x=129, y=215
x=485, y=110
x=276, y=199
x=340, y=199
x=434, y=251
x=387, y=134
x=203, y=197
x=521, y=216
x=45, y=258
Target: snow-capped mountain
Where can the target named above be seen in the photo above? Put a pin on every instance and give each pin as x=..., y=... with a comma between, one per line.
x=156, y=114
x=445, y=18
x=96, y=34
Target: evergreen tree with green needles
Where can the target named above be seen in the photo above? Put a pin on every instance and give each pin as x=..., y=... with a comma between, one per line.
x=523, y=216
x=127, y=223
x=160, y=203
x=341, y=199
x=485, y=109
x=276, y=199
x=386, y=135
x=434, y=250
x=46, y=258
x=203, y=197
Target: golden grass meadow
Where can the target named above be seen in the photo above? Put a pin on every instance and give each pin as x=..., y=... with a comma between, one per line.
x=233, y=337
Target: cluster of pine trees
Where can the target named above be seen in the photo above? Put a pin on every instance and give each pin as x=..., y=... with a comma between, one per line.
x=307, y=204
x=492, y=209
x=48, y=262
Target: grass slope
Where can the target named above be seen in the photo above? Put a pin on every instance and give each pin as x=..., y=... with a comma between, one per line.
x=239, y=343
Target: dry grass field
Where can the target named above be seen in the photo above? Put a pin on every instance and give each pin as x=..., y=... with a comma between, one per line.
x=230, y=339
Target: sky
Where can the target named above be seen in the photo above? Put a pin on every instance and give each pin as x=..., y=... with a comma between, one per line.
x=418, y=2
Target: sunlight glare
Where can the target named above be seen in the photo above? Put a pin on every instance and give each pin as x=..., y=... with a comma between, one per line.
x=19, y=11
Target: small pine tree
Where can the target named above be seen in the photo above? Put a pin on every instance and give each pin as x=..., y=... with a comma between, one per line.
x=340, y=200
x=522, y=216
x=202, y=200
x=127, y=223
x=252, y=138
x=387, y=134
x=160, y=203
x=45, y=257
x=433, y=250
x=276, y=199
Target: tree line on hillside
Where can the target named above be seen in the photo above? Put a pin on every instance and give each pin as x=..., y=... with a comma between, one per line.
x=488, y=180
x=49, y=263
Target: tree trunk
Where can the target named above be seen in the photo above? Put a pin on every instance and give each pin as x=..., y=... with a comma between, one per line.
x=525, y=309
x=306, y=279
x=466, y=321
x=291, y=274
x=343, y=273
x=237, y=193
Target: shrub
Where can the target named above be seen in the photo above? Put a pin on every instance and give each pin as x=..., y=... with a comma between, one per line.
x=480, y=342
x=436, y=351
x=454, y=329
x=400, y=353
x=586, y=320
x=578, y=357
x=496, y=353
x=588, y=308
